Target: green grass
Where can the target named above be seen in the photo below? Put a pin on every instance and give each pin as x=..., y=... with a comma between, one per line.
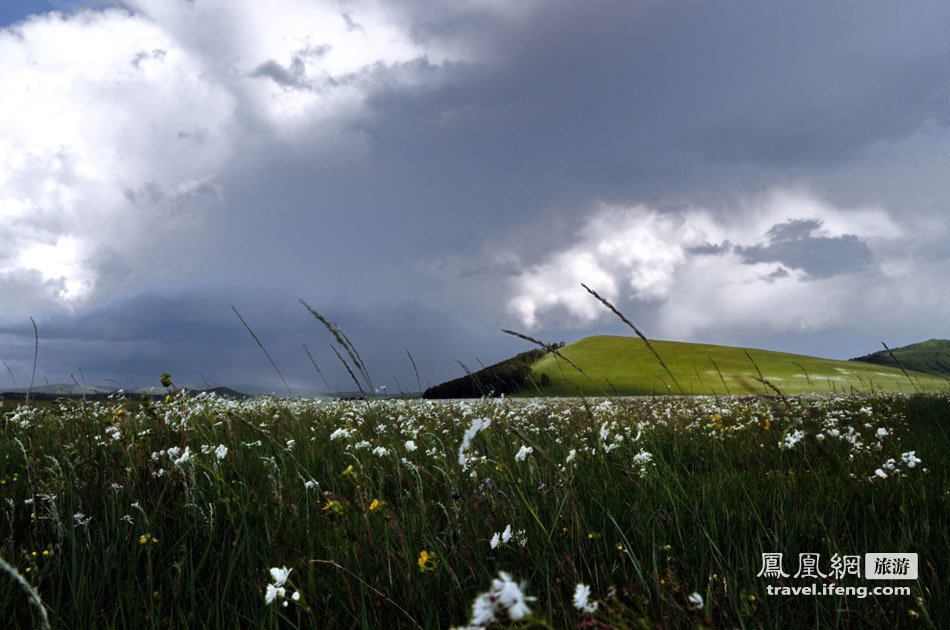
x=625, y=365
x=718, y=491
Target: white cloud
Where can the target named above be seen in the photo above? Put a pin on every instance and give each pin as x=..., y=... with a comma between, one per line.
x=118, y=126
x=690, y=267
x=632, y=252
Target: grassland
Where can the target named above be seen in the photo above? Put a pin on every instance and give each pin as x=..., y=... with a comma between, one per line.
x=624, y=365
x=173, y=514
x=929, y=357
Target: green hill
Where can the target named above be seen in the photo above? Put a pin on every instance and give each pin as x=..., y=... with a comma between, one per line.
x=624, y=365
x=929, y=357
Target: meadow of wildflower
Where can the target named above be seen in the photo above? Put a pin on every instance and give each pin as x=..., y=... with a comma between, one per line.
x=196, y=511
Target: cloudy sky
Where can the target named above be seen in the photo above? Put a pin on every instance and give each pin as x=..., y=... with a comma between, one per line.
x=426, y=173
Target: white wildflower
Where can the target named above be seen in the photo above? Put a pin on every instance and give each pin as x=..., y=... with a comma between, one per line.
x=483, y=611
x=791, y=439
x=570, y=456
x=505, y=595
x=695, y=601
x=581, y=595
x=880, y=473
x=477, y=425
x=410, y=446
x=380, y=451
x=273, y=592
x=185, y=456
x=280, y=575
x=340, y=433
x=221, y=451
x=523, y=452
x=510, y=595
x=910, y=458
x=494, y=541
x=642, y=460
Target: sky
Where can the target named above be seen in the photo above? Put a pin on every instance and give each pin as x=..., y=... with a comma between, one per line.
x=425, y=174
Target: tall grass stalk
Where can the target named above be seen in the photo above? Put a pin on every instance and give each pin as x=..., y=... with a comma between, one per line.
x=36, y=352
x=416, y=370
x=12, y=377
x=344, y=342
x=349, y=370
x=553, y=350
x=31, y=593
x=912, y=383
x=317, y=368
x=264, y=350
x=639, y=334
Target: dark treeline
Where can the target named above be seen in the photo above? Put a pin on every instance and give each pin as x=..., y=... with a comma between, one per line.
x=506, y=377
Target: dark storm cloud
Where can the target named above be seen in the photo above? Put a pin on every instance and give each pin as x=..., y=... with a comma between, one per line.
x=707, y=249
x=645, y=100
x=288, y=77
x=195, y=336
x=558, y=106
x=794, y=245
x=641, y=101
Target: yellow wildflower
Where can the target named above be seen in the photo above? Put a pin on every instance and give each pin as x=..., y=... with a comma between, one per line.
x=426, y=561
x=334, y=507
x=374, y=505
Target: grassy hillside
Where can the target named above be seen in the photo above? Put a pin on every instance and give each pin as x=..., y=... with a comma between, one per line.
x=624, y=365
x=929, y=357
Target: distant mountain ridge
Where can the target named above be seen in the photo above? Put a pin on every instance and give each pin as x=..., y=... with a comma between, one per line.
x=52, y=392
x=929, y=357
